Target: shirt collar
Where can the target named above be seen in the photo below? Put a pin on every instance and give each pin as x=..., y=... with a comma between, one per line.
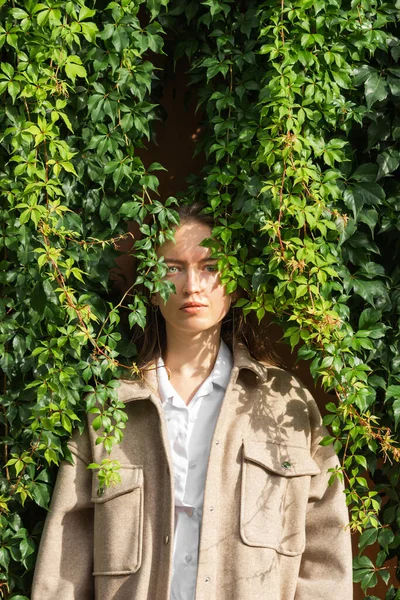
x=221, y=372
x=147, y=387
x=220, y=375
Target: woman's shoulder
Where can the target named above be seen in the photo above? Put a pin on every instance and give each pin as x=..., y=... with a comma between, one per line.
x=269, y=372
x=139, y=386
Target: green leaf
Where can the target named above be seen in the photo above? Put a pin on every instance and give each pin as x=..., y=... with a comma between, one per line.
x=386, y=537
x=74, y=68
x=369, y=317
x=89, y=31
x=4, y=558
x=393, y=391
x=327, y=440
x=376, y=89
x=7, y=69
x=13, y=89
x=394, y=85
x=369, y=580
x=371, y=291
x=362, y=73
x=396, y=411
x=388, y=162
x=368, y=537
x=368, y=193
x=18, y=13
x=366, y=172
x=120, y=39
x=41, y=494
x=27, y=547
x=369, y=217
x=342, y=79
x=86, y=13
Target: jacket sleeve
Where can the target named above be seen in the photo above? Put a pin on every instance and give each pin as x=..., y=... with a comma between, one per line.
x=64, y=563
x=326, y=566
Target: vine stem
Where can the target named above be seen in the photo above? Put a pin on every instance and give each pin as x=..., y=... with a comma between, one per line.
x=280, y=209
x=27, y=109
x=34, y=447
x=345, y=451
x=5, y=429
x=4, y=594
x=47, y=171
x=382, y=434
x=61, y=281
x=97, y=242
x=116, y=308
x=229, y=110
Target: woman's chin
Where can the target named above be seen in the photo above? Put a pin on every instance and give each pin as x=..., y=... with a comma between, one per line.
x=196, y=325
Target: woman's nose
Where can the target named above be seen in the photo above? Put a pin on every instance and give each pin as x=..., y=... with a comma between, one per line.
x=192, y=282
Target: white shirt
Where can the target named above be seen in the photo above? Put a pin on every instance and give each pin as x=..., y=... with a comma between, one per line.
x=190, y=431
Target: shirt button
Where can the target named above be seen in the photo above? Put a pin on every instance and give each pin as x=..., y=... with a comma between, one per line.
x=166, y=540
x=189, y=512
x=188, y=559
x=192, y=464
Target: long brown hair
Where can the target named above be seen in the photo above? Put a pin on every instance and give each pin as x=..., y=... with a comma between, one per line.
x=152, y=342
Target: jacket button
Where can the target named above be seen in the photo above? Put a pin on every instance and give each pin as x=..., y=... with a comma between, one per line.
x=286, y=464
x=100, y=492
x=166, y=539
x=207, y=579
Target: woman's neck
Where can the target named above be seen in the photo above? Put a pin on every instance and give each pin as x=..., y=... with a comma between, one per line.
x=190, y=359
x=192, y=353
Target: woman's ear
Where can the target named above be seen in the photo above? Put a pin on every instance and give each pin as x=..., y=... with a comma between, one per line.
x=234, y=297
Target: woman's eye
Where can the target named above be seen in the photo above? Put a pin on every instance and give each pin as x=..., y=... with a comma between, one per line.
x=172, y=270
x=211, y=268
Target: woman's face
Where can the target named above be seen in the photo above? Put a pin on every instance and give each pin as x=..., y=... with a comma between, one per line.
x=200, y=302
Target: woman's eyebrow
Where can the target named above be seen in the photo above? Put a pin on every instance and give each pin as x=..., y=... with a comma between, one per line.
x=176, y=261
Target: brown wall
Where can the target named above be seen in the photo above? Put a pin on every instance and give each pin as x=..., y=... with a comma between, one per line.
x=174, y=148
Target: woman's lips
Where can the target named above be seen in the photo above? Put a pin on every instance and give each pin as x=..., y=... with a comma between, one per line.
x=192, y=308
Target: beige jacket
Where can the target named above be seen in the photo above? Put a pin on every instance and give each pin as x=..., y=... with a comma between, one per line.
x=272, y=527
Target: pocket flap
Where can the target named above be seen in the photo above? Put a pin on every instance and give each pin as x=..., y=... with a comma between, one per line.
x=287, y=461
x=131, y=478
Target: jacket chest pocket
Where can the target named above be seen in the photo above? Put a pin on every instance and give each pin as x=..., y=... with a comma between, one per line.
x=118, y=523
x=274, y=495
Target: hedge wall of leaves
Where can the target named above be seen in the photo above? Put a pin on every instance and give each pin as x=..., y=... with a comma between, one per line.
x=301, y=127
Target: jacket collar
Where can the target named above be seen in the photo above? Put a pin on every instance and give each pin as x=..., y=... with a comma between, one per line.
x=148, y=387
x=243, y=360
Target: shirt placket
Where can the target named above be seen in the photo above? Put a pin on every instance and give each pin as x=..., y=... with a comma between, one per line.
x=177, y=423
x=187, y=516
x=189, y=427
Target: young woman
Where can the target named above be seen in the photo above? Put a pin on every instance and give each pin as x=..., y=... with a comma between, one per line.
x=224, y=492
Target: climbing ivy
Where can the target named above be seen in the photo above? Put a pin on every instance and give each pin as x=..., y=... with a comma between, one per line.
x=301, y=126
x=301, y=129
x=75, y=86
